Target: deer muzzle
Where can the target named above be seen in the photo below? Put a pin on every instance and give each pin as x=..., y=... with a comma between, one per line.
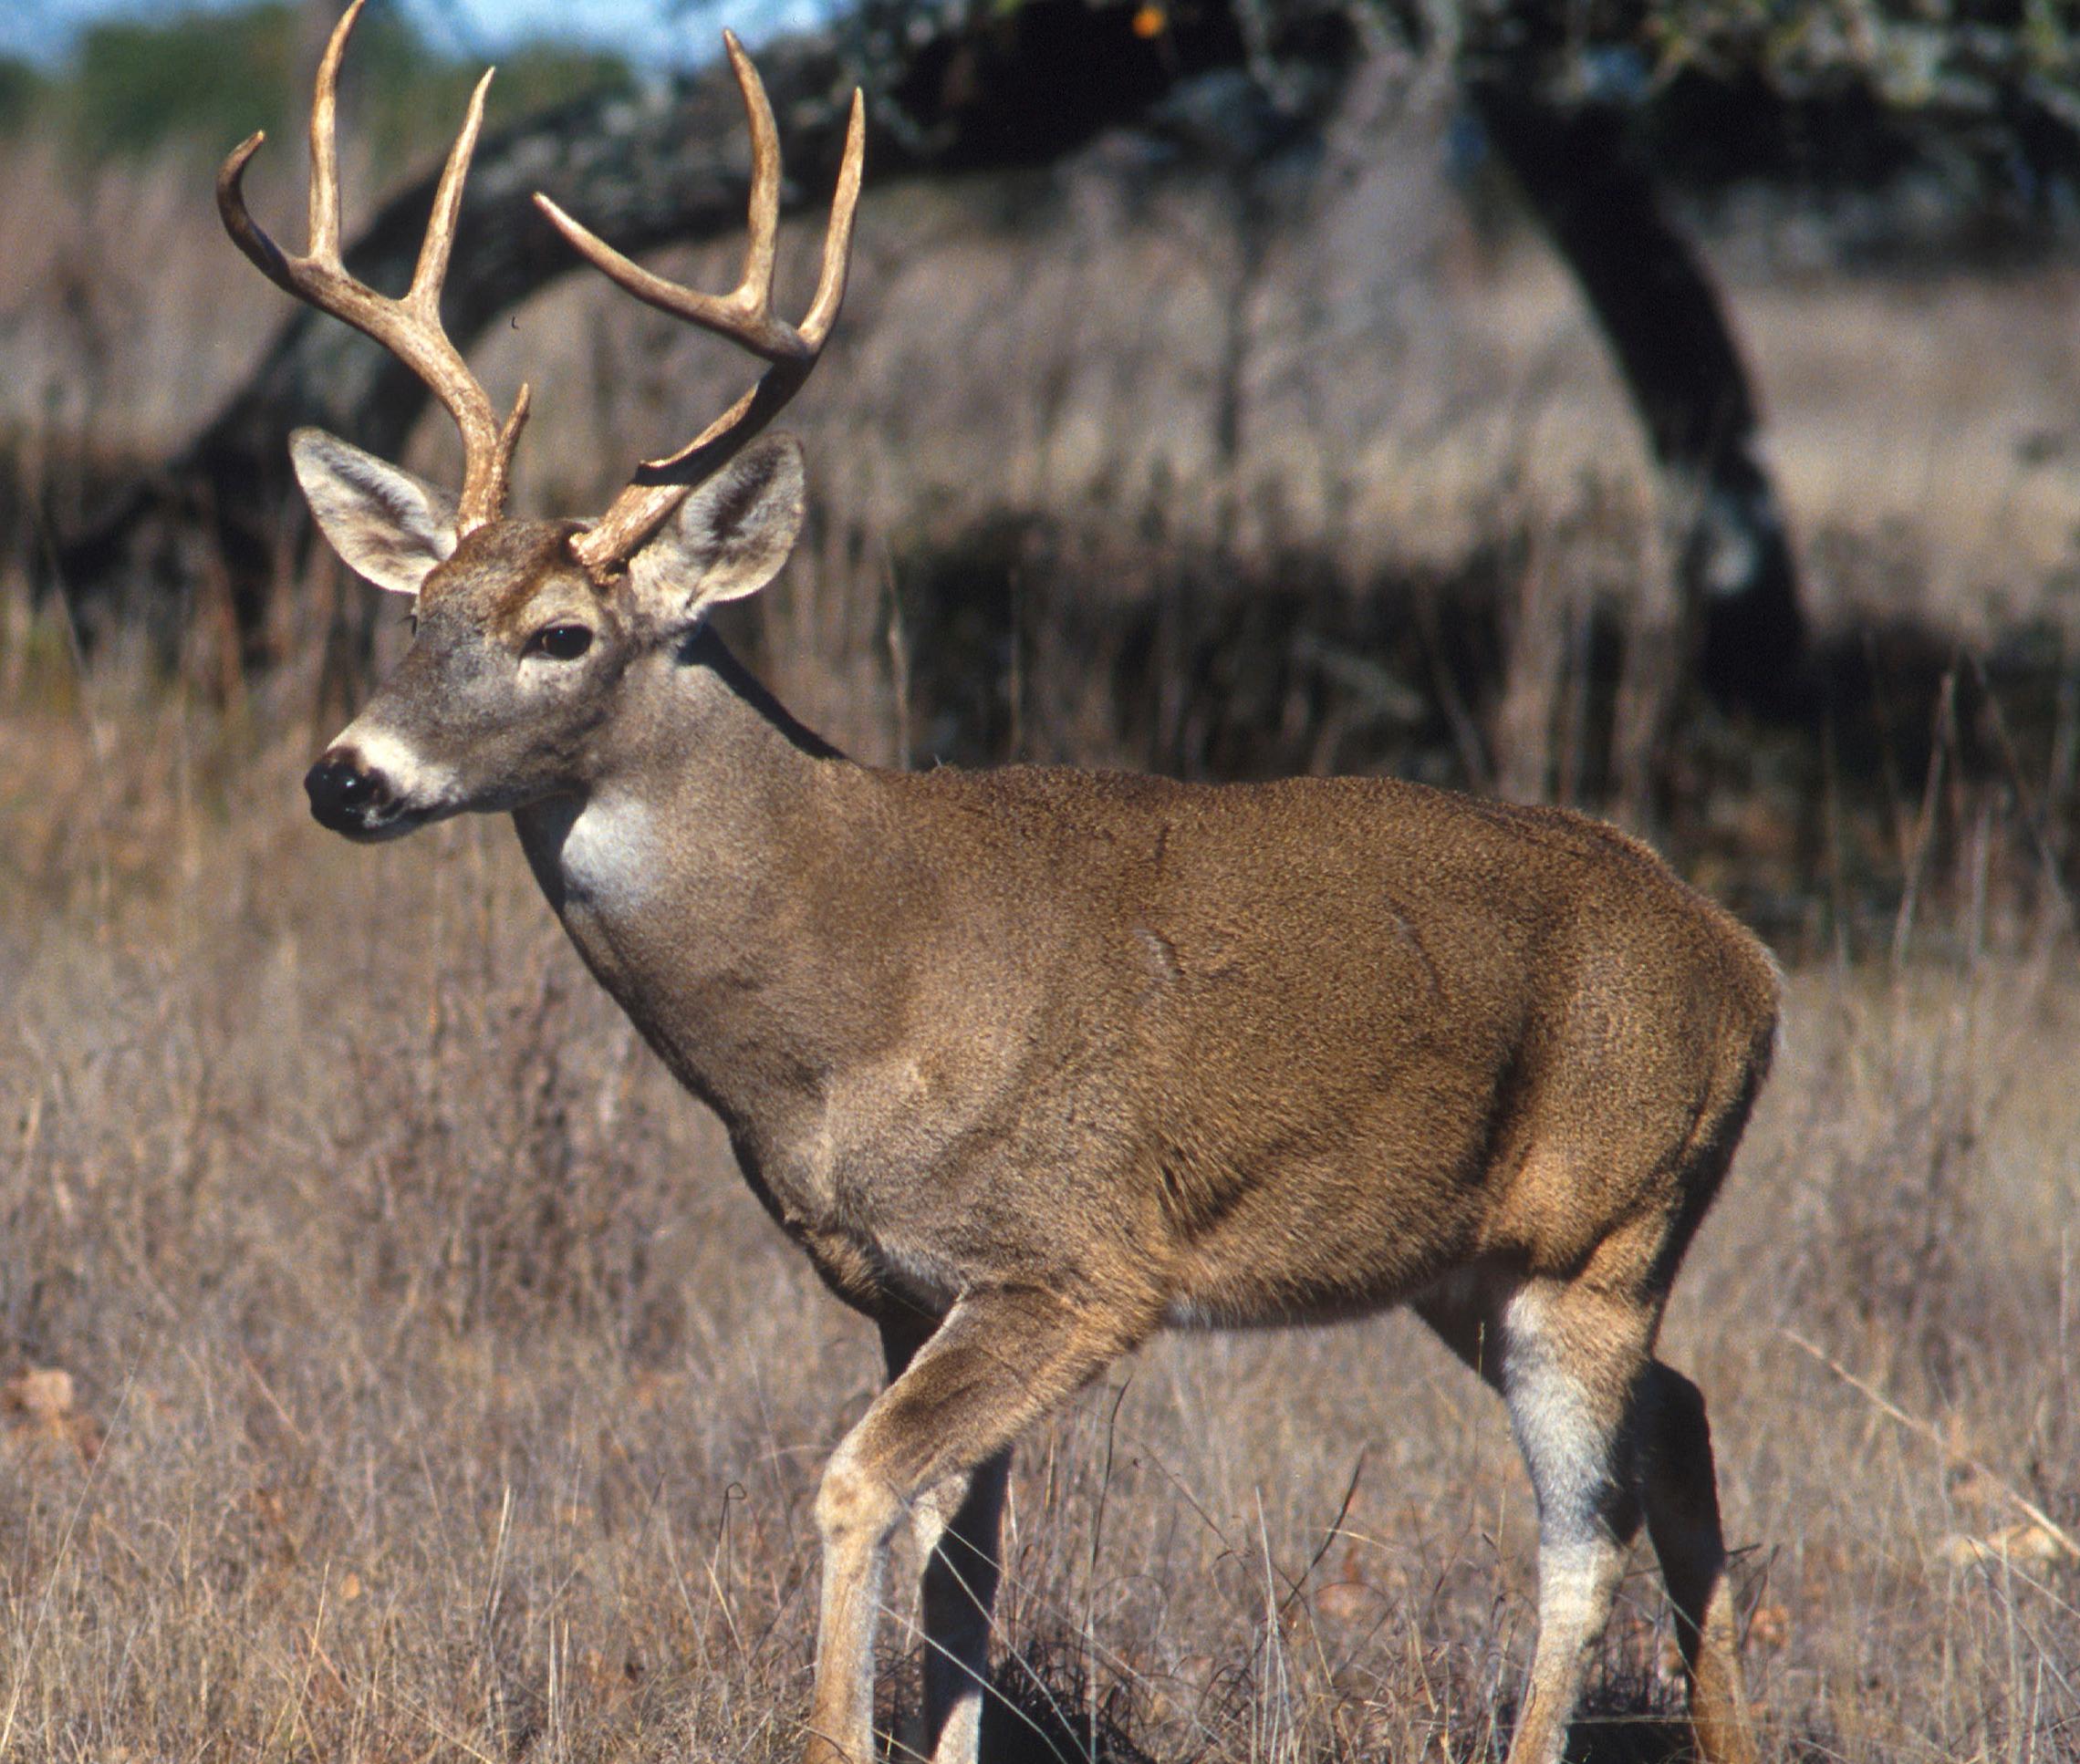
x=345, y=795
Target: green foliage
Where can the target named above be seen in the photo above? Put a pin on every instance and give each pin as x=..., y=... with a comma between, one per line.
x=21, y=89
x=136, y=84
x=1978, y=98
x=408, y=101
x=540, y=74
x=201, y=81
x=1964, y=56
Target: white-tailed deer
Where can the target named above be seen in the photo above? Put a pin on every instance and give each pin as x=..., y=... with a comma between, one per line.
x=1034, y=1063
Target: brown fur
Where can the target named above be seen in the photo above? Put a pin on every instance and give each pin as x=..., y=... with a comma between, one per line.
x=1034, y=1062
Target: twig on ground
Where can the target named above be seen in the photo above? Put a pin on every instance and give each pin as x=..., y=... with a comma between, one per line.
x=1929, y=1431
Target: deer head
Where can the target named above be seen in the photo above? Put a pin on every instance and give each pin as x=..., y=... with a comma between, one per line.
x=526, y=630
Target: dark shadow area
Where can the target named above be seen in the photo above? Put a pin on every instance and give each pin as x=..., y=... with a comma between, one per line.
x=1040, y=1711
x=1616, y=1738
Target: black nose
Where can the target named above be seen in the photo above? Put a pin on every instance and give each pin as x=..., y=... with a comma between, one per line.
x=340, y=790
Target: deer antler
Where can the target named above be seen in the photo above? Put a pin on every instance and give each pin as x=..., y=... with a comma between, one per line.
x=409, y=328
x=745, y=316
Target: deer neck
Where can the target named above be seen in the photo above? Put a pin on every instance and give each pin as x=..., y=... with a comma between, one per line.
x=693, y=875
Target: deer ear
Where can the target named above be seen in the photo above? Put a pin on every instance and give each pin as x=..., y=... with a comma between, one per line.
x=729, y=538
x=389, y=526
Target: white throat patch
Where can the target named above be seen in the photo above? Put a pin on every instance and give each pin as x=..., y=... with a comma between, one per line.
x=611, y=857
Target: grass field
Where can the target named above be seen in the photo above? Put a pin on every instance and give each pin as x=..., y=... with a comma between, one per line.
x=431, y=1388
x=392, y=1364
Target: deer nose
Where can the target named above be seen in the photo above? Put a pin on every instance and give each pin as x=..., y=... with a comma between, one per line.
x=341, y=789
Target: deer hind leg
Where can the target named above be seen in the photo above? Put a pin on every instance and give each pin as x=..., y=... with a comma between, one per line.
x=1682, y=1519
x=1571, y=1363
x=1001, y=1361
x=1567, y=1358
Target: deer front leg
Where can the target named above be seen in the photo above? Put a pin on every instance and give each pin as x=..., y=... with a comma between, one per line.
x=1002, y=1358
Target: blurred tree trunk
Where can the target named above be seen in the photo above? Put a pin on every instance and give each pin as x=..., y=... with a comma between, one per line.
x=1657, y=308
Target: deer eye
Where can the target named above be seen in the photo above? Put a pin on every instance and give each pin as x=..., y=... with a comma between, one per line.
x=559, y=642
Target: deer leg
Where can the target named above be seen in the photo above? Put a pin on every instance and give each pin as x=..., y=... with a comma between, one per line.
x=1566, y=1358
x=1682, y=1519
x=956, y=1527
x=1002, y=1358
x=1571, y=1362
x=961, y=1573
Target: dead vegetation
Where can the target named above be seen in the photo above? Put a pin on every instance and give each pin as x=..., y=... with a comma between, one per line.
x=398, y=1368
x=393, y=1365
x=1387, y=378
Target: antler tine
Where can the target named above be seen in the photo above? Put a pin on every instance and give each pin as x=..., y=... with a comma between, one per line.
x=432, y=269
x=745, y=316
x=838, y=241
x=756, y=289
x=409, y=327
x=325, y=141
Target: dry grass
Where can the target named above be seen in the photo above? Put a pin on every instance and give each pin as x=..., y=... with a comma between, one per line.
x=439, y=1392
x=1401, y=368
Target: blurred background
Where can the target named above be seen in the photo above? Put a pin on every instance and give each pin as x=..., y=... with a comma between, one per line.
x=1620, y=404
x=1664, y=407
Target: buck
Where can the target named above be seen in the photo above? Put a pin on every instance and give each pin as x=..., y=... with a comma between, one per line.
x=1034, y=1063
